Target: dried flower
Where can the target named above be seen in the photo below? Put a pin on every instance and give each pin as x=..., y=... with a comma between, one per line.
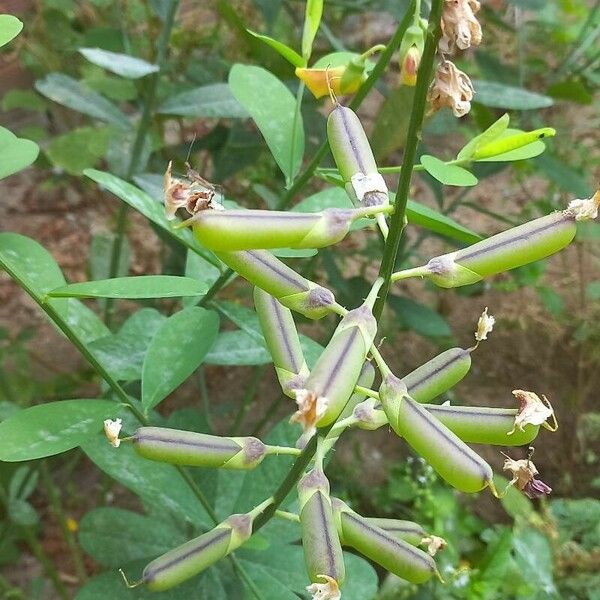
x=452, y=88
x=532, y=411
x=524, y=472
x=434, y=544
x=583, y=210
x=460, y=28
x=325, y=591
x=111, y=430
x=310, y=409
x=484, y=326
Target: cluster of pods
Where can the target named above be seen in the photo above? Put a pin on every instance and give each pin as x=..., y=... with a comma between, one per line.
x=336, y=394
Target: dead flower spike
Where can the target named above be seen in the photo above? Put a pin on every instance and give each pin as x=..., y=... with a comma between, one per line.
x=452, y=88
x=460, y=28
x=533, y=411
x=112, y=430
x=325, y=591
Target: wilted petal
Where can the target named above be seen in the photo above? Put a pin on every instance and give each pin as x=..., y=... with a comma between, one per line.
x=460, y=28
x=584, y=210
x=532, y=410
x=310, y=409
x=325, y=591
x=452, y=88
x=536, y=488
x=524, y=472
x=484, y=326
x=435, y=544
x=111, y=430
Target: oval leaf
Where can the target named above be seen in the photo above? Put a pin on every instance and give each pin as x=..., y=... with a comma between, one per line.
x=273, y=108
x=282, y=49
x=146, y=286
x=209, y=101
x=176, y=351
x=74, y=95
x=494, y=131
x=49, y=429
x=498, y=95
x=447, y=174
x=15, y=153
x=120, y=64
x=237, y=348
x=10, y=27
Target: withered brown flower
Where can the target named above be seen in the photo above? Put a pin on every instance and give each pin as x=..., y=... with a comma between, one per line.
x=452, y=88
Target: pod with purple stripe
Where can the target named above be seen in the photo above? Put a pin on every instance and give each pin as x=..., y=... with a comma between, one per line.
x=321, y=545
x=198, y=449
x=409, y=531
x=449, y=456
x=393, y=554
x=273, y=276
x=193, y=557
x=280, y=333
x=231, y=230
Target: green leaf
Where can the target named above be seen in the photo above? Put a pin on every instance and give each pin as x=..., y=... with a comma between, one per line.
x=207, y=101
x=159, y=485
x=10, y=27
x=237, y=348
x=312, y=20
x=144, y=286
x=49, y=429
x=74, y=95
x=20, y=512
x=123, y=353
x=115, y=537
x=23, y=99
x=534, y=555
x=593, y=290
x=282, y=49
x=498, y=95
x=338, y=59
x=489, y=135
x=273, y=108
x=152, y=209
x=124, y=65
x=175, y=352
x=447, y=174
x=15, y=153
x=79, y=149
x=419, y=318
x=564, y=176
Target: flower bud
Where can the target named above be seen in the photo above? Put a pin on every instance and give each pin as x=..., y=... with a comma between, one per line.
x=232, y=230
x=411, y=50
x=334, y=376
x=354, y=158
x=198, y=449
x=178, y=565
x=392, y=553
x=273, y=276
x=322, y=549
x=281, y=336
x=450, y=457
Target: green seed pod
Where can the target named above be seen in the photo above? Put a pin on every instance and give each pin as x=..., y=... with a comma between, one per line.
x=408, y=531
x=450, y=457
x=483, y=425
x=438, y=375
x=508, y=250
x=392, y=553
x=178, y=565
x=232, y=230
x=198, y=449
x=334, y=377
x=365, y=379
x=354, y=158
x=281, y=336
x=322, y=549
x=267, y=272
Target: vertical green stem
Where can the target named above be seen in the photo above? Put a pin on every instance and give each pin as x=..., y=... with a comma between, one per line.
x=138, y=145
x=398, y=219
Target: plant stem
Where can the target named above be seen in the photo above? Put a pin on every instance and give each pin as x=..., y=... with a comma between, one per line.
x=287, y=516
x=398, y=220
x=44, y=559
x=248, y=397
x=138, y=146
x=59, y=513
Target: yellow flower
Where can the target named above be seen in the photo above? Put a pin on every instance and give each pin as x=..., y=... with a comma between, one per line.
x=410, y=66
x=342, y=80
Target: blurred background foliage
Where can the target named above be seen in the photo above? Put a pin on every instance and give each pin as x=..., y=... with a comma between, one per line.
x=540, y=61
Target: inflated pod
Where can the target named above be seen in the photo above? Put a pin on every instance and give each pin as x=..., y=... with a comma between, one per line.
x=393, y=554
x=273, y=276
x=178, y=565
x=502, y=252
x=447, y=454
x=336, y=372
x=483, y=425
x=280, y=333
x=198, y=449
x=408, y=531
x=232, y=230
x=354, y=158
x=320, y=542
x=365, y=379
x=438, y=375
